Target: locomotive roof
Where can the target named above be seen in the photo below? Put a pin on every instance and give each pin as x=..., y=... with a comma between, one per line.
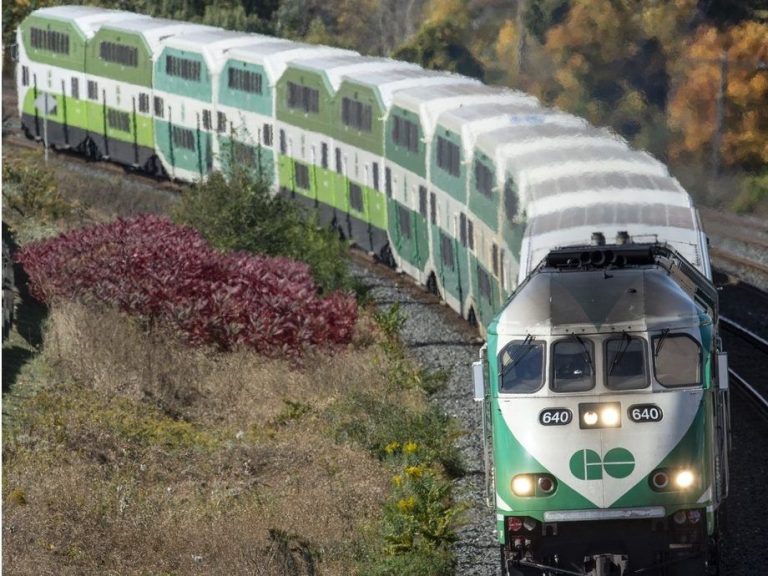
x=583, y=302
x=608, y=180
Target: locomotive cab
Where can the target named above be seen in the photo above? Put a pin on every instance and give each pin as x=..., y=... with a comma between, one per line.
x=607, y=427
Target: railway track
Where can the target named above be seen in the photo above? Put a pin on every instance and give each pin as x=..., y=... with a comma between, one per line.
x=755, y=386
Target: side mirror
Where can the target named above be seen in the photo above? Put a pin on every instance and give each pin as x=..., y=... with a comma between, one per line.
x=722, y=370
x=477, y=379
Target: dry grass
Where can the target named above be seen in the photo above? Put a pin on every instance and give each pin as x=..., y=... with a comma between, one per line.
x=141, y=456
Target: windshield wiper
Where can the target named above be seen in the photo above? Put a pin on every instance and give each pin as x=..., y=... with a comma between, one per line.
x=627, y=339
x=525, y=347
x=587, y=357
x=661, y=341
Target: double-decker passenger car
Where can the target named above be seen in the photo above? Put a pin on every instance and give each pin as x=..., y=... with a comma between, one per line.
x=467, y=188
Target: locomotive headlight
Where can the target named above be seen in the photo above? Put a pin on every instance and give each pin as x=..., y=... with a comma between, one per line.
x=684, y=479
x=522, y=485
x=590, y=418
x=609, y=416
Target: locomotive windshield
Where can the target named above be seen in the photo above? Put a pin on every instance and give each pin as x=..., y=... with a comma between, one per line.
x=676, y=359
x=572, y=365
x=625, y=363
x=522, y=363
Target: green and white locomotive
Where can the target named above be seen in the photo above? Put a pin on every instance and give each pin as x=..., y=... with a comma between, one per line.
x=607, y=399
x=604, y=386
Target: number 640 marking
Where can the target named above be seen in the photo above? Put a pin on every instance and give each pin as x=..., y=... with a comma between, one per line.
x=645, y=413
x=555, y=417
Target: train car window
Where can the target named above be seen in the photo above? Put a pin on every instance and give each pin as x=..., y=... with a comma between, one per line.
x=625, y=363
x=446, y=249
x=676, y=359
x=144, y=103
x=93, y=90
x=448, y=156
x=244, y=81
x=404, y=220
x=375, y=175
x=183, y=138
x=283, y=145
x=267, y=135
x=221, y=122
x=484, y=284
x=495, y=258
x=75, y=91
x=522, y=366
x=388, y=182
x=324, y=154
x=159, y=107
x=483, y=179
x=356, y=197
x=119, y=54
x=470, y=235
x=182, y=68
x=118, y=120
x=302, y=176
x=510, y=199
x=463, y=229
x=432, y=208
x=339, y=166
x=207, y=124
x=572, y=365
x=423, y=201
x=25, y=76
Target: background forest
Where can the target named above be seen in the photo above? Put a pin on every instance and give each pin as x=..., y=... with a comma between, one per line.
x=686, y=80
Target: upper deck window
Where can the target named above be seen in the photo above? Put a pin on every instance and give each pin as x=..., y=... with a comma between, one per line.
x=182, y=67
x=356, y=114
x=625, y=363
x=483, y=179
x=303, y=97
x=119, y=54
x=572, y=365
x=676, y=359
x=406, y=134
x=448, y=156
x=522, y=366
x=49, y=40
x=244, y=80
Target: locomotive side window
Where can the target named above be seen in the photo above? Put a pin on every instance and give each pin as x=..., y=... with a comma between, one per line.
x=676, y=359
x=625, y=363
x=522, y=366
x=572, y=365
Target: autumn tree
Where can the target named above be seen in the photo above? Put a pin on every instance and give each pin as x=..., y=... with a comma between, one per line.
x=693, y=109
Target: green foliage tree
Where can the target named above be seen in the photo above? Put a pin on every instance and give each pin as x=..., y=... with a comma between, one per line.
x=239, y=212
x=440, y=46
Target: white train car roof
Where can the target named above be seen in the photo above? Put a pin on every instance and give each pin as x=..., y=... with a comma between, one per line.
x=431, y=101
x=87, y=19
x=475, y=119
x=214, y=44
x=155, y=30
x=336, y=68
x=388, y=82
x=277, y=54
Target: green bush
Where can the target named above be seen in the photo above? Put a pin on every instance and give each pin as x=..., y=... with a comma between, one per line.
x=30, y=188
x=754, y=194
x=239, y=212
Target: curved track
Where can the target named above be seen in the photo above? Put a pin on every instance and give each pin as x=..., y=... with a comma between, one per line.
x=753, y=384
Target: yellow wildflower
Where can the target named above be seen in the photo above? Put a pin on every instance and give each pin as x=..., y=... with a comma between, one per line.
x=406, y=504
x=397, y=480
x=410, y=447
x=391, y=447
x=413, y=471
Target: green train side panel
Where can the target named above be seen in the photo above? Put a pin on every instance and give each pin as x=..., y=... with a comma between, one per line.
x=285, y=172
x=325, y=180
x=372, y=141
x=68, y=110
x=691, y=452
x=340, y=193
x=485, y=309
x=413, y=249
x=258, y=158
x=140, y=75
x=455, y=186
x=199, y=90
x=485, y=208
x=199, y=160
x=322, y=121
x=74, y=60
x=248, y=101
x=455, y=280
x=416, y=162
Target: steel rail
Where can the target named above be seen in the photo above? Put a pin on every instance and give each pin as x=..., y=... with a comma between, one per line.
x=748, y=335
x=753, y=395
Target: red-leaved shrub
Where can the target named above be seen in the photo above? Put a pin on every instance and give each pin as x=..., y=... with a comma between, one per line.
x=150, y=267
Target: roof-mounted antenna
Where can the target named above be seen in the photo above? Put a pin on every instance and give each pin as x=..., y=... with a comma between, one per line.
x=598, y=239
x=622, y=237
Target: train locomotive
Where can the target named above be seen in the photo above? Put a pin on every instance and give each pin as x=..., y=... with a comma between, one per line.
x=603, y=382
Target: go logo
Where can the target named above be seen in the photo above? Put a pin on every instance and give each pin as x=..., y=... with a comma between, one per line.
x=587, y=465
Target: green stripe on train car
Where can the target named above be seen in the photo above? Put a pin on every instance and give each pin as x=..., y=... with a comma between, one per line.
x=484, y=204
x=72, y=59
x=259, y=102
x=415, y=161
x=450, y=258
x=91, y=116
x=371, y=140
x=454, y=184
x=199, y=89
x=195, y=155
x=408, y=231
x=139, y=74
